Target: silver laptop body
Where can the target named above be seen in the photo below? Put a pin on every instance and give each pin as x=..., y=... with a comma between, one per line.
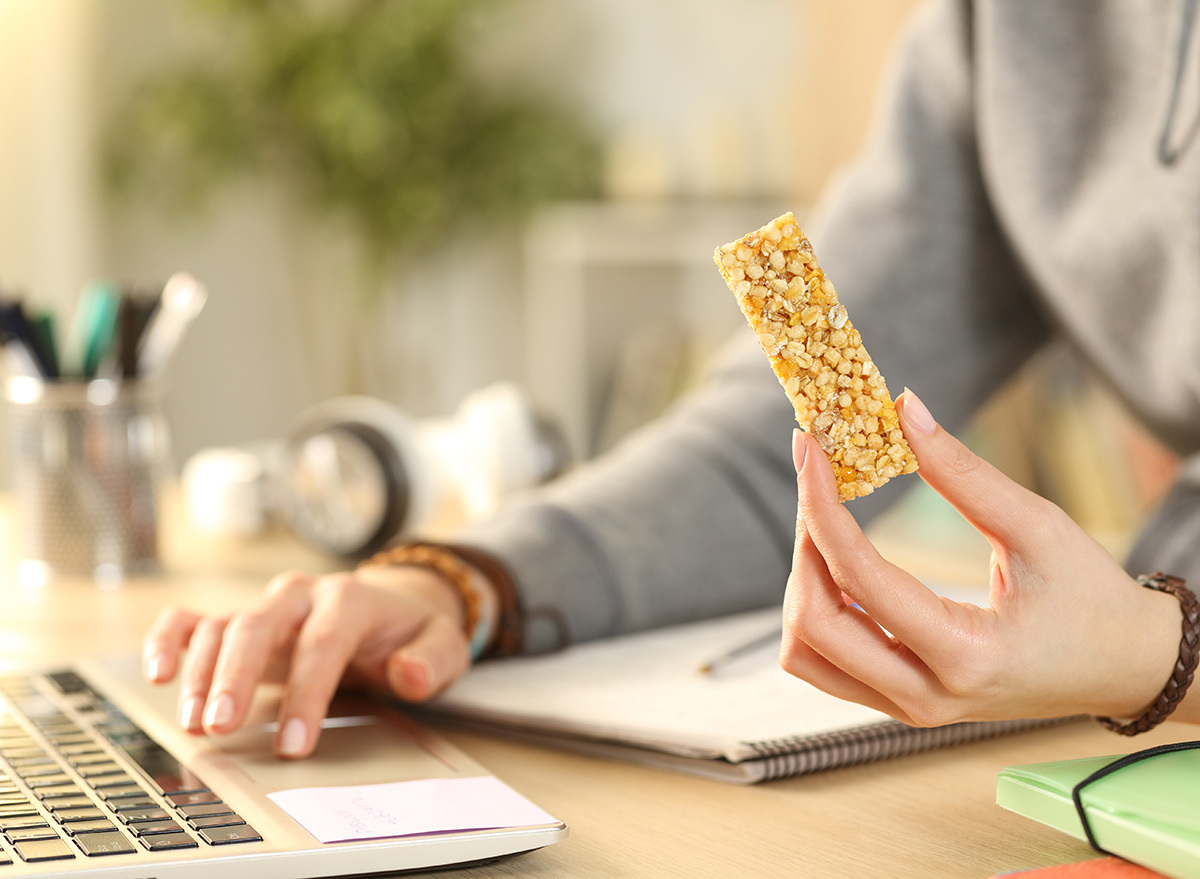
x=97, y=779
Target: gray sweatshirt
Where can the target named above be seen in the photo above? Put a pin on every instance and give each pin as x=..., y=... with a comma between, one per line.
x=1034, y=175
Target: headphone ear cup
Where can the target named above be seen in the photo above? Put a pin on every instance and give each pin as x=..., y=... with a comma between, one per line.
x=387, y=517
x=372, y=447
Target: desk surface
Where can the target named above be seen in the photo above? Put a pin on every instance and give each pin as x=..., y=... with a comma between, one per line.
x=926, y=816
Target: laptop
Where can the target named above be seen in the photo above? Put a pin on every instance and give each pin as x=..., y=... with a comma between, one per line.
x=98, y=780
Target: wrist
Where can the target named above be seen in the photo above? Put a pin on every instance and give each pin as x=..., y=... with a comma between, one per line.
x=451, y=584
x=1172, y=648
x=418, y=582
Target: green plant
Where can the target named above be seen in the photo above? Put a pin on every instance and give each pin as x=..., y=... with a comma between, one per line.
x=369, y=109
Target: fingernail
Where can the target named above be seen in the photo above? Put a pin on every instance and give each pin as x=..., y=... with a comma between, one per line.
x=799, y=449
x=916, y=414
x=154, y=668
x=220, y=712
x=293, y=738
x=189, y=713
x=418, y=674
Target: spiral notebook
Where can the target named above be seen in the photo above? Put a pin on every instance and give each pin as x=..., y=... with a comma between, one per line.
x=645, y=698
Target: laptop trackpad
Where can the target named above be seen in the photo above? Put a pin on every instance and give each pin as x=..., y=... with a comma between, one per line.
x=362, y=742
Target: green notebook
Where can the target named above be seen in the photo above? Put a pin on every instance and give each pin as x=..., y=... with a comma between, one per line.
x=1147, y=812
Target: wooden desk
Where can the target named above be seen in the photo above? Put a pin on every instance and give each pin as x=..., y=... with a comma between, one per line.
x=925, y=816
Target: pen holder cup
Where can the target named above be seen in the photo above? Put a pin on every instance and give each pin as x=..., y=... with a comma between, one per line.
x=88, y=460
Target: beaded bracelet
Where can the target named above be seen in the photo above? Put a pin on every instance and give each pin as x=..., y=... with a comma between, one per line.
x=477, y=600
x=1185, y=666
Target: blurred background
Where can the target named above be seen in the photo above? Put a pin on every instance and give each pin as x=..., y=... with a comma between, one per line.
x=120, y=161
x=412, y=199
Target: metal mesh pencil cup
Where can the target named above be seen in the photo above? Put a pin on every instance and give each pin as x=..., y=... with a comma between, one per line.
x=88, y=459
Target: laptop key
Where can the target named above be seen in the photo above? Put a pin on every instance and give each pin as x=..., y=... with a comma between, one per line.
x=68, y=682
x=78, y=748
x=97, y=844
x=95, y=770
x=61, y=804
x=139, y=815
x=202, y=809
x=119, y=791
x=167, y=841
x=44, y=850
x=182, y=782
x=154, y=828
x=23, y=752
x=194, y=798
x=56, y=730
x=71, y=816
x=71, y=738
x=7, y=824
x=216, y=821
x=58, y=790
x=231, y=834
x=17, y=810
x=96, y=826
x=42, y=831
x=28, y=773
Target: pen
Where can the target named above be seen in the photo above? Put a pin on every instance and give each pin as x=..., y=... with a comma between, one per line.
x=18, y=361
x=134, y=311
x=21, y=351
x=181, y=300
x=718, y=663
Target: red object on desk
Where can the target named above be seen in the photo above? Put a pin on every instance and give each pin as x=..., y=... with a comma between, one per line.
x=1098, y=868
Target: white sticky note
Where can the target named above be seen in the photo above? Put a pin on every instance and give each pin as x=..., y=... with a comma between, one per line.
x=409, y=808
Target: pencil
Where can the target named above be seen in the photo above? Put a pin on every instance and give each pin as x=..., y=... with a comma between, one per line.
x=718, y=662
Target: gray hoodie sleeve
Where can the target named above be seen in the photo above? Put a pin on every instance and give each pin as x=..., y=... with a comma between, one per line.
x=694, y=515
x=1170, y=540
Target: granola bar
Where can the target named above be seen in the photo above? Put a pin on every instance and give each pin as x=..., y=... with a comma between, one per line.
x=838, y=394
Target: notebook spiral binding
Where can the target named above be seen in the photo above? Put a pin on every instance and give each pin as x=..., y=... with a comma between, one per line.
x=782, y=758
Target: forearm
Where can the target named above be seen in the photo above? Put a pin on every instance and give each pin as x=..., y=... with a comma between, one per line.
x=691, y=517
x=695, y=516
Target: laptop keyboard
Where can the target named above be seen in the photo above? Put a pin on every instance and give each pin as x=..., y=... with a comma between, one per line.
x=79, y=779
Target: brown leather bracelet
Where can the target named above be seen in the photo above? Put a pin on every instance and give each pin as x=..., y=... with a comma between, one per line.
x=437, y=558
x=509, y=637
x=1185, y=666
x=453, y=562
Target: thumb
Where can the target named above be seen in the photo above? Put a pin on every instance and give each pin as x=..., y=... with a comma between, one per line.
x=999, y=508
x=435, y=658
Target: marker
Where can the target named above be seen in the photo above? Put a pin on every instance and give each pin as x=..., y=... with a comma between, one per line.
x=91, y=327
x=21, y=353
x=101, y=326
x=41, y=328
x=181, y=300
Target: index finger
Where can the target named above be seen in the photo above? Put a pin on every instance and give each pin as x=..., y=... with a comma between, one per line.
x=892, y=598
x=165, y=640
x=342, y=616
x=996, y=506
